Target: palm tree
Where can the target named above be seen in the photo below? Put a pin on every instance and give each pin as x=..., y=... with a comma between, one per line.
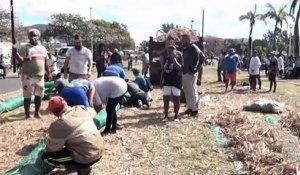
x=296, y=28
x=252, y=17
x=279, y=16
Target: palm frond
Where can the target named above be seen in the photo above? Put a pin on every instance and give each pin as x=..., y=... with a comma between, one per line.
x=244, y=17
x=271, y=7
x=293, y=6
x=255, y=8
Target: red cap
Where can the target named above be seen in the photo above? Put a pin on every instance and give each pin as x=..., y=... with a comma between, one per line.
x=56, y=102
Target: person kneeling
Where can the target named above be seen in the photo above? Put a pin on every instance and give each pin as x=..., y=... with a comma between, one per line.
x=74, y=141
x=138, y=96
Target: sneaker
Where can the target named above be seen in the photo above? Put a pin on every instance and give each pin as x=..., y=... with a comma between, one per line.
x=188, y=111
x=140, y=103
x=177, y=119
x=165, y=119
x=194, y=113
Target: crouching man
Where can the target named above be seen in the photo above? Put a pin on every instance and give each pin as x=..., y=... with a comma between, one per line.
x=74, y=141
x=78, y=92
x=138, y=96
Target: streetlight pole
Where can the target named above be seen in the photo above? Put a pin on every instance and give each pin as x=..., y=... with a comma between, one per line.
x=192, y=21
x=92, y=44
x=13, y=39
x=203, y=30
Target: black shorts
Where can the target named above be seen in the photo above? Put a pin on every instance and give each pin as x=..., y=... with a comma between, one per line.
x=272, y=77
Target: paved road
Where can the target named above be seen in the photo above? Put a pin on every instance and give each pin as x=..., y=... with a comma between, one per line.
x=10, y=84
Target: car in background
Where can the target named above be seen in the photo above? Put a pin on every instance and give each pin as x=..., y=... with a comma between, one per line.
x=61, y=56
x=6, y=62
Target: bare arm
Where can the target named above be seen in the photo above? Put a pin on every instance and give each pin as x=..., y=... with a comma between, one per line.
x=66, y=65
x=47, y=68
x=90, y=65
x=91, y=93
x=17, y=55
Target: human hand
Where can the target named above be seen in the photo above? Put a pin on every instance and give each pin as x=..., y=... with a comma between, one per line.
x=89, y=75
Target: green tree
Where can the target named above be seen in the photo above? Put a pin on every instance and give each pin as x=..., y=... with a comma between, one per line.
x=4, y=24
x=67, y=25
x=114, y=35
x=252, y=16
x=279, y=16
x=296, y=5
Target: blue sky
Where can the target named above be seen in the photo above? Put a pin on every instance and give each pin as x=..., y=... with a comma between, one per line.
x=144, y=17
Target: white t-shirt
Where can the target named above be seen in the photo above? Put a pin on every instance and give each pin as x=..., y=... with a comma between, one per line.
x=280, y=63
x=108, y=87
x=145, y=58
x=79, y=60
x=254, y=66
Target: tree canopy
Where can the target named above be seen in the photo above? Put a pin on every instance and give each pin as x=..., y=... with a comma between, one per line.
x=67, y=25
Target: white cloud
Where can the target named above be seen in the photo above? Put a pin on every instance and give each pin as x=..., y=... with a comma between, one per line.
x=144, y=17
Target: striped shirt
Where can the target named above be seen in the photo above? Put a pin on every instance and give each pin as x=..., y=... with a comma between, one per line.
x=37, y=56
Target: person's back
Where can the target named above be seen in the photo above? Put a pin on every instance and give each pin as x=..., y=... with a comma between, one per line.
x=109, y=87
x=254, y=65
x=273, y=68
x=84, y=83
x=141, y=81
x=114, y=70
x=75, y=128
x=133, y=88
x=77, y=92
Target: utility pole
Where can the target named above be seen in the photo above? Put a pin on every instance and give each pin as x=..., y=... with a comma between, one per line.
x=13, y=39
x=203, y=30
x=92, y=44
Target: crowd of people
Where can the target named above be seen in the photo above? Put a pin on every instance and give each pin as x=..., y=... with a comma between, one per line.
x=278, y=66
x=74, y=141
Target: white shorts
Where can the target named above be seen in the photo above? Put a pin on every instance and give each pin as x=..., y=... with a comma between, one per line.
x=171, y=90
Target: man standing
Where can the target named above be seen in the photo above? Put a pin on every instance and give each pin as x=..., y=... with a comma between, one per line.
x=74, y=141
x=232, y=62
x=280, y=64
x=34, y=58
x=79, y=61
x=221, y=71
x=100, y=59
x=146, y=64
x=192, y=61
x=254, y=71
x=273, y=71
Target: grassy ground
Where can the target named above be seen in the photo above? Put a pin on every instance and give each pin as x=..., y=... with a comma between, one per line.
x=148, y=146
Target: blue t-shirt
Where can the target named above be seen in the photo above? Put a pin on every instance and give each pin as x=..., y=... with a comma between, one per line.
x=141, y=81
x=231, y=63
x=116, y=69
x=85, y=84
